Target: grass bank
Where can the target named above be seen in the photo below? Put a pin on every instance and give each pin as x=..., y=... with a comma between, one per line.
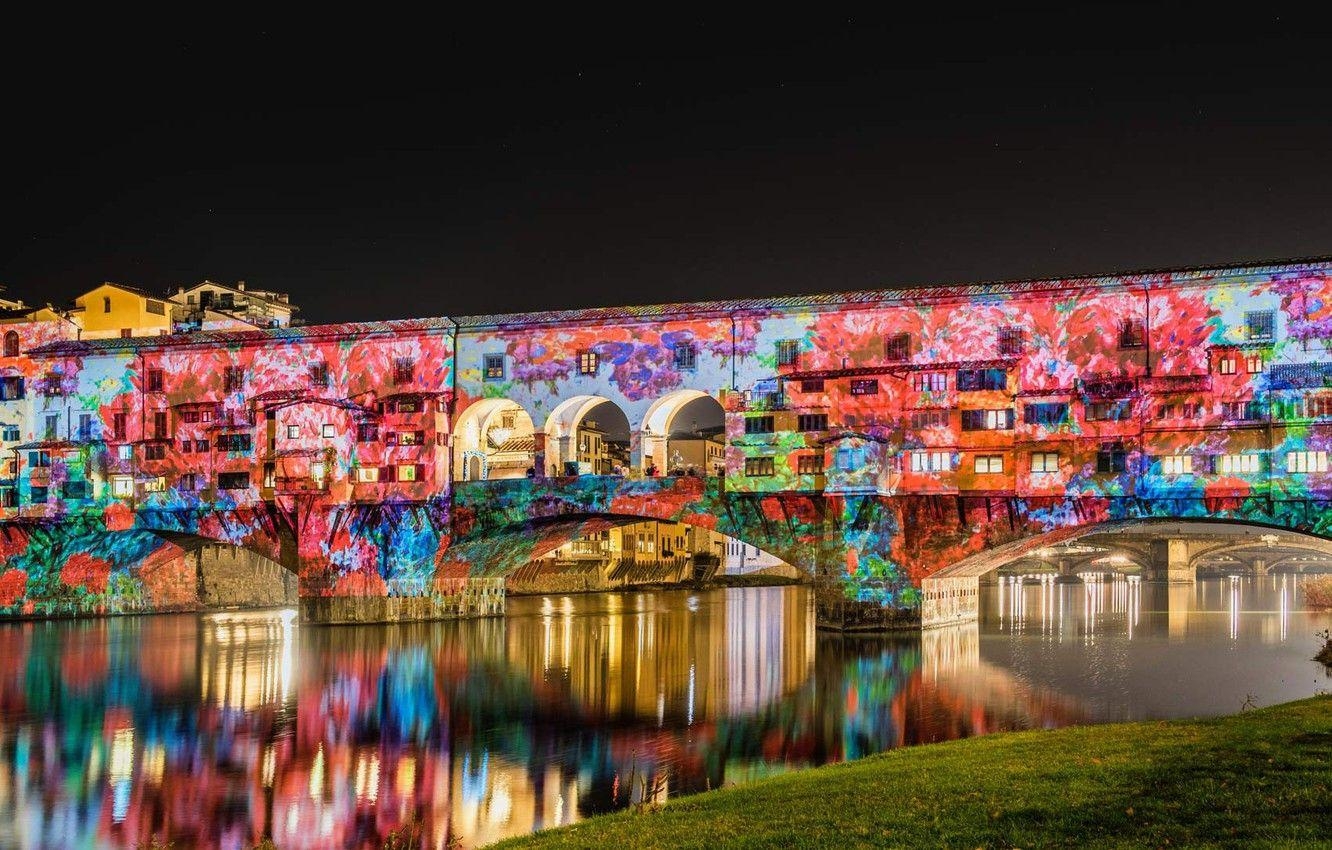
x=1261, y=777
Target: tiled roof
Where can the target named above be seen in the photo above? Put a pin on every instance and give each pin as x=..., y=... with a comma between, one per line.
x=905, y=294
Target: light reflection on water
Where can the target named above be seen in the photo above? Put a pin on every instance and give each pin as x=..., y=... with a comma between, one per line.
x=215, y=731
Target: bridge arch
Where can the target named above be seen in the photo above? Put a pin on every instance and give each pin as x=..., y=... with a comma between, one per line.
x=493, y=438
x=577, y=444
x=661, y=423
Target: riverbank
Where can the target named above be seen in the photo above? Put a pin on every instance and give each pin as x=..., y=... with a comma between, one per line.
x=750, y=580
x=1260, y=776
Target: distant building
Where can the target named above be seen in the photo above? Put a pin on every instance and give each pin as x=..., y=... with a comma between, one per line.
x=212, y=306
x=117, y=310
x=741, y=558
x=593, y=457
x=703, y=450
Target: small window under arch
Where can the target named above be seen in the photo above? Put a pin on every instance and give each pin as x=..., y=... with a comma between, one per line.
x=11, y=348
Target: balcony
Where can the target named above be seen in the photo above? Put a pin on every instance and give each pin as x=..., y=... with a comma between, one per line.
x=1178, y=384
x=1107, y=386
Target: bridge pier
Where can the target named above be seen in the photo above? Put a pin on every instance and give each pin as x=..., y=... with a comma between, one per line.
x=451, y=599
x=1172, y=561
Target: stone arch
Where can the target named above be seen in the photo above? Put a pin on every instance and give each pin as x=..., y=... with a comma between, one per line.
x=570, y=439
x=658, y=425
x=493, y=438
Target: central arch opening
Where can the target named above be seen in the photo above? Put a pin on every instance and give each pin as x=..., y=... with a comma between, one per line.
x=684, y=432
x=587, y=435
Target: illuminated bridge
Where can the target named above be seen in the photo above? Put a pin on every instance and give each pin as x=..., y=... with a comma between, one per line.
x=897, y=444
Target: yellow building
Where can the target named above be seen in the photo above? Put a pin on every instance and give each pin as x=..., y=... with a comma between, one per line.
x=116, y=310
x=219, y=306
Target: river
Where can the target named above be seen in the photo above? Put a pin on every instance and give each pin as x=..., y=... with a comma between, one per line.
x=220, y=729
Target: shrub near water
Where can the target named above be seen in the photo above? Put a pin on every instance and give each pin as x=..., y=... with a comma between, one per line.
x=1318, y=592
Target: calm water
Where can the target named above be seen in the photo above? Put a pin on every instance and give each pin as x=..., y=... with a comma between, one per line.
x=217, y=730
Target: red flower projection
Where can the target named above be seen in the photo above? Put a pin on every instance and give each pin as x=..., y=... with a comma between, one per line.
x=86, y=572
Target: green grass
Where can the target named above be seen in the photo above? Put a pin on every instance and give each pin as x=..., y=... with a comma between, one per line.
x=1259, y=778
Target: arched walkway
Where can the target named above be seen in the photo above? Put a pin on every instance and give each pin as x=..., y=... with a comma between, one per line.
x=682, y=430
x=494, y=438
x=586, y=435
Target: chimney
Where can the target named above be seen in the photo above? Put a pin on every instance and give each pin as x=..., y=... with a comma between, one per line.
x=240, y=284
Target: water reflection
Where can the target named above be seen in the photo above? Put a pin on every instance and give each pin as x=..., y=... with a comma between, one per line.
x=218, y=731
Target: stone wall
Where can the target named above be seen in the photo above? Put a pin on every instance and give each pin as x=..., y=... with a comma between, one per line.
x=233, y=577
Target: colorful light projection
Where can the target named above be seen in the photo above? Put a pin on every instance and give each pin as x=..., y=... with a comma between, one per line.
x=875, y=436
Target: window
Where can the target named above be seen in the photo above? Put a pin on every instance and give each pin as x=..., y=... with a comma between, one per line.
x=233, y=378
x=328, y=431
x=493, y=367
x=866, y=386
x=11, y=388
x=293, y=431
x=812, y=421
x=186, y=446
x=52, y=386
x=931, y=461
x=118, y=425
x=989, y=464
x=233, y=480
x=52, y=426
x=1111, y=458
x=125, y=452
x=126, y=333
x=1046, y=413
x=1110, y=411
x=11, y=344
x=106, y=304
x=367, y=474
x=154, y=380
x=9, y=433
x=1254, y=364
x=1190, y=410
x=921, y=419
x=189, y=481
x=1165, y=411
x=1241, y=410
x=758, y=425
x=1236, y=464
x=1226, y=365
x=1306, y=461
x=74, y=490
x=1177, y=465
x=234, y=443
x=1011, y=342
x=588, y=361
x=8, y=497
x=156, y=484
x=38, y=495
x=897, y=348
x=367, y=432
x=1260, y=325
x=1132, y=333
x=160, y=424
x=929, y=382
x=788, y=352
x=686, y=357
x=982, y=379
x=154, y=451
x=987, y=420
x=404, y=370
x=759, y=467
x=1044, y=461
x=270, y=476
x=200, y=446
x=319, y=375
x=157, y=308
x=122, y=486
x=810, y=464
x=189, y=417
x=85, y=426
x=407, y=472
x=226, y=300
x=811, y=385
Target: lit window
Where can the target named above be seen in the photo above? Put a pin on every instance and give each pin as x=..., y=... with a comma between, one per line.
x=756, y=467
x=931, y=461
x=125, y=452
x=367, y=474
x=788, y=352
x=929, y=382
x=1226, y=366
x=122, y=486
x=328, y=431
x=293, y=431
x=868, y=386
x=493, y=367
x=1254, y=363
x=588, y=361
x=1238, y=464
x=987, y=420
x=987, y=464
x=406, y=472
x=1044, y=461
x=1177, y=465
x=810, y=465
x=155, y=485
x=1307, y=461
x=686, y=357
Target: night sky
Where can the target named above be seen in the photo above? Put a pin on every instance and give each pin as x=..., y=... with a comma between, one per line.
x=451, y=166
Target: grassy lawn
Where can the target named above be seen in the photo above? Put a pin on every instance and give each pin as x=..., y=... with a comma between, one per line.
x=1259, y=778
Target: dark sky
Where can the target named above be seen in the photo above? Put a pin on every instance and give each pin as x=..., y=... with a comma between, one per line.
x=449, y=165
